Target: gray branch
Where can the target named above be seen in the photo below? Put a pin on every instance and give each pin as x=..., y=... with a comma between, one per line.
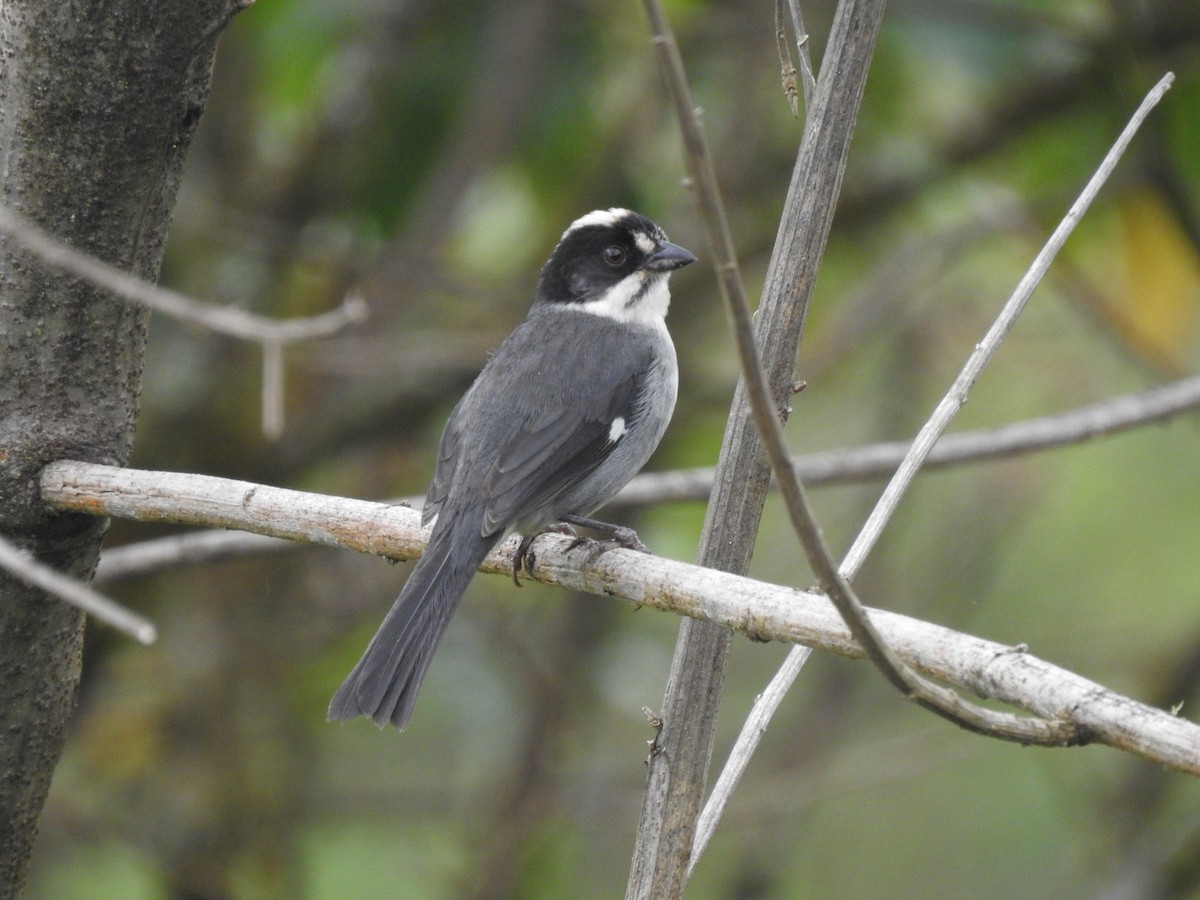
x=227, y=320
x=872, y=461
x=825, y=467
x=22, y=564
x=761, y=611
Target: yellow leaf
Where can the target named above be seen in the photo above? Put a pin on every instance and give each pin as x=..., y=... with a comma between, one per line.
x=1156, y=308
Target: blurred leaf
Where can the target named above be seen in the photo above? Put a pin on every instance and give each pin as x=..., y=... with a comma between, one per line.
x=1155, y=307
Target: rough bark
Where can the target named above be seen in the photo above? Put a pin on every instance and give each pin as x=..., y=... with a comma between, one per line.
x=679, y=766
x=98, y=103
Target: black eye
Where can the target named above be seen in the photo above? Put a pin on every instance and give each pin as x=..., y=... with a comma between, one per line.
x=614, y=256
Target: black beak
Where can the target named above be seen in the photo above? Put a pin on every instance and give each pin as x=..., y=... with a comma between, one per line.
x=668, y=257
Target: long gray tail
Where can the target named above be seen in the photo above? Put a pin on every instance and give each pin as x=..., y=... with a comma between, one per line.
x=385, y=682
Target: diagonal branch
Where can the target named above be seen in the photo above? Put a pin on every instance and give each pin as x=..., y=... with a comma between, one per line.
x=931, y=696
x=271, y=334
x=23, y=565
x=677, y=773
x=986, y=349
x=927, y=694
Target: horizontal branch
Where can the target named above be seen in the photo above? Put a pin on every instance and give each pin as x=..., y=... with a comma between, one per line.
x=762, y=611
x=1111, y=416
x=190, y=548
x=825, y=467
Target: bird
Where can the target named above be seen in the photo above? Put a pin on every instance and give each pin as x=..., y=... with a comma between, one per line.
x=566, y=411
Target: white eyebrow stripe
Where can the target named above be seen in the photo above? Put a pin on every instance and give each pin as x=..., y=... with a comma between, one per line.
x=598, y=217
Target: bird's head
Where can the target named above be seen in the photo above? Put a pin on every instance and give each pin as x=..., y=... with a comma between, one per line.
x=614, y=263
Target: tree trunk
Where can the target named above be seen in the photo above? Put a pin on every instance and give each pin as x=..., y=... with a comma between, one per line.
x=98, y=103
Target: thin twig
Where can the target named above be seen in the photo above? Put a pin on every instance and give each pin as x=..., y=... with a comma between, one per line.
x=787, y=73
x=273, y=334
x=763, y=611
x=201, y=547
x=931, y=696
x=226, y=320
x=755, y=726
x=808, y=77
x=22, y=565
x=872, y=461
x=928, y=695
x=957, y=395
x=272, y=390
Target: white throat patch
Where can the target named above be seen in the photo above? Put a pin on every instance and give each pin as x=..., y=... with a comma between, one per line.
x=618, y=302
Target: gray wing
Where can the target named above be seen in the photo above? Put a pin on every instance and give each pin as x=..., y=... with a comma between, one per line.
x=552, y=453
x=524, y=435
x=447, y=463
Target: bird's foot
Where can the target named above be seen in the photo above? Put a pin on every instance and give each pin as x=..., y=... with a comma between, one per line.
x=523, y=558
x=615, y=537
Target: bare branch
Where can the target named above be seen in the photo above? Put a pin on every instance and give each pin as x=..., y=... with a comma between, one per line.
x=273, y=334
x=826, y=467
x=929, y=695
x=807, y=72
x=957, y=395
x=871, y=461
x=145, y=557
x=272, y=390
x=23, y=565
x=186, y=499
x=226, y=320
x=755, y=726
x=787, y=67
x=762, y=611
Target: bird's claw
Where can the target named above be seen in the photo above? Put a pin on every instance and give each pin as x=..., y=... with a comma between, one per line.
x=617, y=537
x=523, y=558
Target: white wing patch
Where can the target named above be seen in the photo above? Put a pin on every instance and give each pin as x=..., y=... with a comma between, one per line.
x=617, y=430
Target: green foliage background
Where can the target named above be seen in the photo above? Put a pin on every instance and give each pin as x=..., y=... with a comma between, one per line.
x=428, y=155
